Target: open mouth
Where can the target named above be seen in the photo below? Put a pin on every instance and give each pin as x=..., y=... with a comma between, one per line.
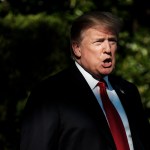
x=107, y=62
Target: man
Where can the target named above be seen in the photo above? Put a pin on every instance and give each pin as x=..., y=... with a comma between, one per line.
x=65, y=112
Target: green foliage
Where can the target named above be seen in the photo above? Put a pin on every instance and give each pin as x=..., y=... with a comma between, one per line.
x=34, y=43
x=134, y=64
x=31, y=47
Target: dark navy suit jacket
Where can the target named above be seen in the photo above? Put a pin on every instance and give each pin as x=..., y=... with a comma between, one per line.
x=62, y=113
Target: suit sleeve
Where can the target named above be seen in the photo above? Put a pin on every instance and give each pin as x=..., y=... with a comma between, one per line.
x=40, y=123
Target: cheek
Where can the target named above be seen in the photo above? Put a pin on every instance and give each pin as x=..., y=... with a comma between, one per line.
x=88, y=53
x=90, y=58
x=113, y=53
x=114, y=58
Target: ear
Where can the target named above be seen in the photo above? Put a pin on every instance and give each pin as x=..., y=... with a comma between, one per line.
x=76, y=49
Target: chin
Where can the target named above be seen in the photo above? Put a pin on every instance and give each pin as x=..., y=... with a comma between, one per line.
x=107, y=71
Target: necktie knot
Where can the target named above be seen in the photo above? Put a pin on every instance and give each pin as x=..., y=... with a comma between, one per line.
x=102, y=83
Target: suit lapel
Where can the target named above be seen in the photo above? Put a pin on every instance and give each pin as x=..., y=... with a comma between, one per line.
x=93, y=106
x=118, y=87
x=126, y=99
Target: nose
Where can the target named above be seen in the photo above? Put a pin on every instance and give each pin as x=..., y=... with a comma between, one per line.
x=106, y=46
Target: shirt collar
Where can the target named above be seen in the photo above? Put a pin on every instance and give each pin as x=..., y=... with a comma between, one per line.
x=92, y=82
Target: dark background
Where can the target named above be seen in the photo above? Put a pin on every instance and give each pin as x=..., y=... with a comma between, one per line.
x=34, y=44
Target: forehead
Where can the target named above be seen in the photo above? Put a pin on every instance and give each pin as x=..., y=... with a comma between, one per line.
x=98, y=31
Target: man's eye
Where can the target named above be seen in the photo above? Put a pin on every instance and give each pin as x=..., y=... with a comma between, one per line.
x=113, y=41
x=98, y=41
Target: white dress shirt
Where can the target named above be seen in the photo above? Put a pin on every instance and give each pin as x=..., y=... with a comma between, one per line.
x=92, y=82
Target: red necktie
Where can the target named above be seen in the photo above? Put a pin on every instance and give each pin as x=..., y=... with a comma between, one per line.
x=114, y=120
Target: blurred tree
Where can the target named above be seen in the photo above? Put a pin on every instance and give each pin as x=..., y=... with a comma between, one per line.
x=36, y=6
x=34, y=43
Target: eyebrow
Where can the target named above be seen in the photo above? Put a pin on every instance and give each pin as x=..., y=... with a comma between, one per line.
x=109, y=39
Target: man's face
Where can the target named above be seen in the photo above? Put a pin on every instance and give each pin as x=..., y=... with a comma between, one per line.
x=96, y=51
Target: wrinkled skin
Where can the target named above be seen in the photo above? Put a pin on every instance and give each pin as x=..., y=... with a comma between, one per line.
x=96, y=51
